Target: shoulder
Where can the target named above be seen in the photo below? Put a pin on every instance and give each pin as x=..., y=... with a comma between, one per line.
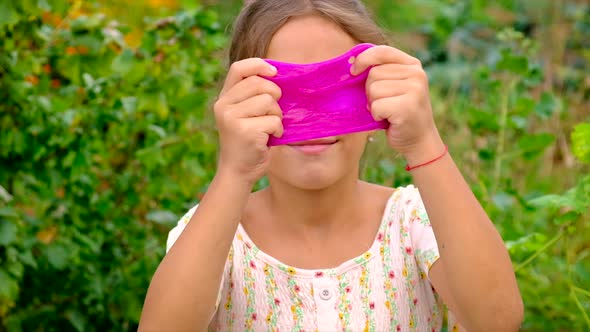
x=405, y=207
x=408, y=191
x=402, y=201
x=407, y=198
x=402, y=197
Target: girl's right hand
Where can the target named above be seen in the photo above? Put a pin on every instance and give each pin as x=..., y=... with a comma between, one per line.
x=247, y=113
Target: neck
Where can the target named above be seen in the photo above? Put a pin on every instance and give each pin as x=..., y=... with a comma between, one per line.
x=295, y=207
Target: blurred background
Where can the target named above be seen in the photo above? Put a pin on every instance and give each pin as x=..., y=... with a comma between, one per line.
x=107, y=138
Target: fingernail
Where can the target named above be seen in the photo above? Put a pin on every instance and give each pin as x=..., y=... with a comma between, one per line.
x=273, y=69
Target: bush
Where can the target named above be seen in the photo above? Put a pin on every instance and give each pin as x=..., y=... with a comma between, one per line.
x=103, y=146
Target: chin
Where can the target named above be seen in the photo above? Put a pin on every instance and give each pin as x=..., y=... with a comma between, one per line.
x=314, y=182
x=313, y=164
x=309, y=178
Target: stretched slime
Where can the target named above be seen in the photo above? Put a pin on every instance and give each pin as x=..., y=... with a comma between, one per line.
x=322, y=99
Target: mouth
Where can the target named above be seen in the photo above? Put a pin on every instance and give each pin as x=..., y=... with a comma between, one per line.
x=315, y=146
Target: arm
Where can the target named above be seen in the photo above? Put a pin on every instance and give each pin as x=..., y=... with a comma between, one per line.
x=474, y=274
x=183, y=291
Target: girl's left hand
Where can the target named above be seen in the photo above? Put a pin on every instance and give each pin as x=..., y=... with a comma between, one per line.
x=397, y=90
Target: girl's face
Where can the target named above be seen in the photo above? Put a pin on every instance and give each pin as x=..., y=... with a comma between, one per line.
x=320, y=163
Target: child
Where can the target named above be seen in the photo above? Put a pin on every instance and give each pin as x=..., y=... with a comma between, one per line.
x=318, y=249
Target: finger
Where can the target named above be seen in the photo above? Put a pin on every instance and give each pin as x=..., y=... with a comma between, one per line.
x=269, y=124
x=259, y=105
x=385, y=89
x=249, y=87
x=246, y=68
x=390, y=71
x=389, y=108
x=381, y=55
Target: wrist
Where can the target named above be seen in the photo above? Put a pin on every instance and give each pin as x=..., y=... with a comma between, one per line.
x=425, y=151
x=225, y=175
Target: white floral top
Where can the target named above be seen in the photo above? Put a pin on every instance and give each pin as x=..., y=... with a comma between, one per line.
x=385, y=289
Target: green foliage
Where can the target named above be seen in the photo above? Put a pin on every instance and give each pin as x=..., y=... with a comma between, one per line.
x=103, y=145
x=97, y=142
x=581, y=142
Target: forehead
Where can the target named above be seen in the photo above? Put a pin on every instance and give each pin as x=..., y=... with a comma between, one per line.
x=308, y=39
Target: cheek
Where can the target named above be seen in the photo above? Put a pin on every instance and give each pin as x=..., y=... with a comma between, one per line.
x=278, y=158
x=355, y=144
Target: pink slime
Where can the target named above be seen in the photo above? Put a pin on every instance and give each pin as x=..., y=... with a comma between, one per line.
x=323, y=99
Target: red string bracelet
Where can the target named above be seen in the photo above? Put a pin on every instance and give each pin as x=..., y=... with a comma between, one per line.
x=409, y=168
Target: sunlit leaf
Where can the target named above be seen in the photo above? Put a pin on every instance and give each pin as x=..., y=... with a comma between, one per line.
x=514, y=63
x=533, y=145
x=124, y=62
x=77, y=319
x=8, y=286
x=547, y=105
x=162, y=217
x=58, y=256
x=8, y=14
x=581, y=142
x=8, y=232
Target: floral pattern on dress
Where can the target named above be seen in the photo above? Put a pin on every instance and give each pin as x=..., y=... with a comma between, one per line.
x=384, y=289
x=230, y=285
x=296, y=304
x=273, y=301
x=249, y=288
x=344, y=305
x=367, y=301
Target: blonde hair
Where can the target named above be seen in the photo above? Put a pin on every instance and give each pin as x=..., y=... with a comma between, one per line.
x=260, y=19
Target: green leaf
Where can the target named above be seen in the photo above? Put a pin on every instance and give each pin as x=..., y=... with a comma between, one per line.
x=58, y=256
x=552, y=201
x=124, y=62
x=157, y=130
x=70, y=68
x=514, y=63
x=8, y=286
x=528, y=243
x=503, y=200
x=567, y=217
x=547, y=105
x=77, y=319
x=89, y=242
x=8, y=231
x=581, y=142
x=149, y=41
x=162, y=106
x=84, y=22
x=15, y=268
x=152, y=157
x=44, y=5
x=8, y=14
x=26, y=257
x=14, y=323
x=8, y=212
x=481, y=121
x=523, y=106
x=163, y=217
x=533, y=145
x=129, y=104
